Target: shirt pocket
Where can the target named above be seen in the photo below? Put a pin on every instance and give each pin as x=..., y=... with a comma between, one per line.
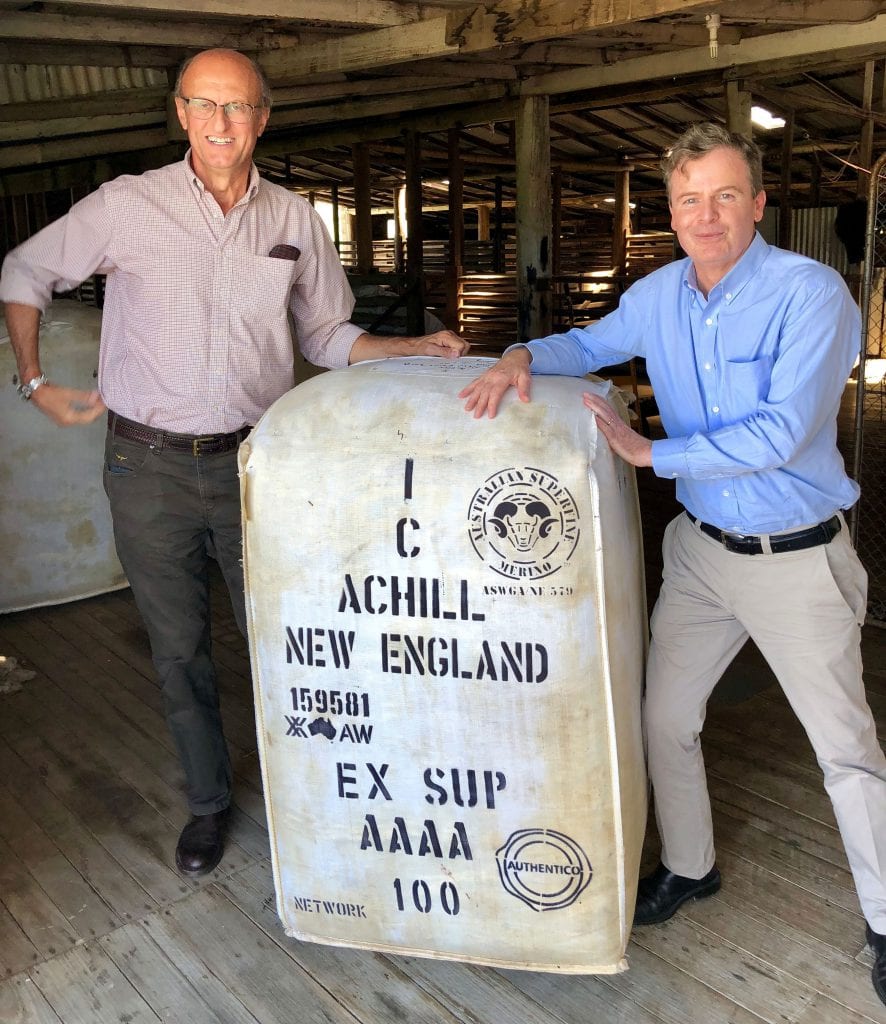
x=746, y=385
x=263, y=287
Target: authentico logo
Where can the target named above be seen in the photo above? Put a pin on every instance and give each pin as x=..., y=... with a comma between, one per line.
x=545, y=869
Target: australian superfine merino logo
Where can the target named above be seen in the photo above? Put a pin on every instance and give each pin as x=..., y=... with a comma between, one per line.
x=523, y=523
x=545, y=869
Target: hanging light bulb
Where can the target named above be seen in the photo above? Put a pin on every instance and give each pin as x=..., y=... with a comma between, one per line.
x=713, y=23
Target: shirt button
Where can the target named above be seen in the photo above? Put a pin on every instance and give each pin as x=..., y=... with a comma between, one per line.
x=707, y=366
x=709, y=321
x=728, y=295
x=715, y=408
x=726, y=494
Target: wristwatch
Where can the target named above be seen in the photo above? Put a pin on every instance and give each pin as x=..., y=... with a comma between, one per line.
x=26, y=390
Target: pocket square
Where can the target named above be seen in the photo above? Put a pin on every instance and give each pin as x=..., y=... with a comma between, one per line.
x=285, y=252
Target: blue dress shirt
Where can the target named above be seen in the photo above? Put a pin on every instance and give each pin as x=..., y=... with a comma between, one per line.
x=748, y=382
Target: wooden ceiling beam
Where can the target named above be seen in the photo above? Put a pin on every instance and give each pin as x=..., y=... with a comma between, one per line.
x=654, y=34
x=66, y=29
x=772, y=53
x=362, y=110
x=557, y=53
x=35, y=153
x=60, y=127
x=605, y=127
x=117, y=101
x=362, y=51
x=809, y=12
x=492, y=148
x=514, y=21
x=84, y=55
x=367, y=131
x=355, y=13
x=481, y=29
x=472, y=70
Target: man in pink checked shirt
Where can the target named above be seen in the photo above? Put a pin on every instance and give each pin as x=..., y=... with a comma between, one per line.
x=205, y=263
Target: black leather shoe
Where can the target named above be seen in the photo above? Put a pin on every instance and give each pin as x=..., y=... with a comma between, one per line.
x=201, y=844
x=877, y=943
x=662, y=893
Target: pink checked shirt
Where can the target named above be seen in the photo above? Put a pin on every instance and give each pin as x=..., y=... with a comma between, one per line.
x=195, y=329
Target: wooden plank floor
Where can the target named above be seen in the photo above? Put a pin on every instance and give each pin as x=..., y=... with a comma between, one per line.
x=96, y=926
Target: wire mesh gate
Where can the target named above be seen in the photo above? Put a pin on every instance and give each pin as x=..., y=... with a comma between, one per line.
x=870, y=415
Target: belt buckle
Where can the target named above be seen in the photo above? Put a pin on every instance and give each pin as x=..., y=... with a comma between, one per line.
x=730, y=541
x=738, y=543
x=206, y=441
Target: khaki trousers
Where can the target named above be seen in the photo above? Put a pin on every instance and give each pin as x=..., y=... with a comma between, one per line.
x=803, y=609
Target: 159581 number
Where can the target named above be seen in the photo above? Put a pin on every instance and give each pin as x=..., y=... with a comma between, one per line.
x=329, y=702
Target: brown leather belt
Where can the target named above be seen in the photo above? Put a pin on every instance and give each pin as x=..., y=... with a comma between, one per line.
x=749, y=544
x=193, y=444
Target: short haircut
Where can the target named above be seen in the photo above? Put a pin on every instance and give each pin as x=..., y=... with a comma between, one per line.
x=700, y=139
x=264, y=87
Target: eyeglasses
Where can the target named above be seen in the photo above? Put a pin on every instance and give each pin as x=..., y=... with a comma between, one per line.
x=235, y=111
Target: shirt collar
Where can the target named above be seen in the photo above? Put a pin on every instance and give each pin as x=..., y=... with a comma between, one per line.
x=200, y=188
x=731, y=284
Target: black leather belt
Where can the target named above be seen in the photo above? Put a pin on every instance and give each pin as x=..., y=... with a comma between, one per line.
x=193, y=444
x=749, y=544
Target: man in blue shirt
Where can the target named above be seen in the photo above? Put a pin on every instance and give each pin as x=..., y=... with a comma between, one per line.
x=748, y=348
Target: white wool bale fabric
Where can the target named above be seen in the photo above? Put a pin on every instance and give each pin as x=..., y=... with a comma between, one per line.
x=55, y=524
x=447, y=632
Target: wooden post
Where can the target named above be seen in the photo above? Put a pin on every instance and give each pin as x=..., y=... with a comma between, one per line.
x=456, y=254
x=483, y=222
x=556, y=217
x=738, y=109
x=415, y=305
x=815, y=183
x=534, y=226
x=866, y=149
x=336, y=227
x=498, y=253
x=362, y=208
x=399, y=229
x=456, y=201
x=621, y=222
x=787, y=156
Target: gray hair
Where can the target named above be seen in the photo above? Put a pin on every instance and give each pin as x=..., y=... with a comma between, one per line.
x=700, y=139
x=264, y=87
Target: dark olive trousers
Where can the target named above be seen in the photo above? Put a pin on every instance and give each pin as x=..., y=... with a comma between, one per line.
x=172, y=511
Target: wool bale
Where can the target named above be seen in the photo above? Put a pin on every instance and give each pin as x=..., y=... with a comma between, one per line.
x=447, y=633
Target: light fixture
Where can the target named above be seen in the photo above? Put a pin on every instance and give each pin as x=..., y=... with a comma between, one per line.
x=766, y=119
x=713, y=23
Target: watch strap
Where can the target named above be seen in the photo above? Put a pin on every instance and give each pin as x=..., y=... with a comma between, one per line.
x=25, y=390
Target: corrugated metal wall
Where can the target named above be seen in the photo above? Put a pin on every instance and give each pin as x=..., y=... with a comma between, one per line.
x=20, y=83
x=812, y=234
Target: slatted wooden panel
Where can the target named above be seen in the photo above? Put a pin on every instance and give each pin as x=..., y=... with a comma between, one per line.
x=648, y=251
x=487, y=310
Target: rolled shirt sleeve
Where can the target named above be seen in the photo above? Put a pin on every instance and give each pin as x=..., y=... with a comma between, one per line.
x=60, y=256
